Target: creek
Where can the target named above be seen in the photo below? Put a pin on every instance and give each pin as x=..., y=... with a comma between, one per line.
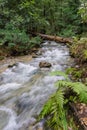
x=25, y=87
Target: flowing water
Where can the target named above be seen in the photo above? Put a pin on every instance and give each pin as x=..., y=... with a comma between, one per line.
x=24, y=88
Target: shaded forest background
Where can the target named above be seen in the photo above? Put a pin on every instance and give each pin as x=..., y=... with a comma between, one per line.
x=18, y=19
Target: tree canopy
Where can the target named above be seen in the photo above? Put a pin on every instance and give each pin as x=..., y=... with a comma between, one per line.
x=47, y=16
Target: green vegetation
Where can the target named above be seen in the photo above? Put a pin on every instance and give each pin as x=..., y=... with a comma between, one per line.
x=17, y=42
x=20, y=19
x=57, y=106
x=79, y=49
x=49, y=16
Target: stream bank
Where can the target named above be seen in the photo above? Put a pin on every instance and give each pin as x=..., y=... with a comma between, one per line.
x=78, y=73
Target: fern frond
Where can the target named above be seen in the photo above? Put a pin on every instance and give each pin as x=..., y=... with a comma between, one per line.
x=83, y=97
x=60, y=98
x=54, y=108
x=46, y=109
x=79, y=88
x=60, y=73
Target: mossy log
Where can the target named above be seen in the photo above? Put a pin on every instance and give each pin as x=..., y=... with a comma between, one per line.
x=55, y=38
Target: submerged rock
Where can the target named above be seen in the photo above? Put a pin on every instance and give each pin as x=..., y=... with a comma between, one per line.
x=44, y=64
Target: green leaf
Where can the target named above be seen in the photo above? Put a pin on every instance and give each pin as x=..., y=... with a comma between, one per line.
x=60, y=73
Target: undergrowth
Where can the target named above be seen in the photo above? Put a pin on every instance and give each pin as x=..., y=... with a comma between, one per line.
x=17, y=42
x=79, y=49
x=55, y=110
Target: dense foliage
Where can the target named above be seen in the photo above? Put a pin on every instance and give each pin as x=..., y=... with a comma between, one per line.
x=20, y=18
x=79, y=49
x=17, y=42
x=56, y=107
x=49, y=16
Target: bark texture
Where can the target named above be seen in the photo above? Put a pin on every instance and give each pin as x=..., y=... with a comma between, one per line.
x=55, y=38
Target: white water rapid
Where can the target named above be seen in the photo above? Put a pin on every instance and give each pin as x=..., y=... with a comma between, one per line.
x=24, y=88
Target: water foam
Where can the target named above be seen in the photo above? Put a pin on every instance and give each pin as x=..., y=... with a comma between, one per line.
x=12, y=118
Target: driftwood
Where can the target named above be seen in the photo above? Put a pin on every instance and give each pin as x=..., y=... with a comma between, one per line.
x=55, y=38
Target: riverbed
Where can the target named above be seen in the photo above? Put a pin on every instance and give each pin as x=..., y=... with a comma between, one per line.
x=25, y=87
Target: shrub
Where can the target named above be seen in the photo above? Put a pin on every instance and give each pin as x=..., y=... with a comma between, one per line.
x=17, y=42
x=79, y=50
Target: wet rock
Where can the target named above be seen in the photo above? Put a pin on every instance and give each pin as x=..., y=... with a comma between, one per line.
x=39, y=52
x=34, y=49
x=34, y=55
x=11, y=65
x=44, y=64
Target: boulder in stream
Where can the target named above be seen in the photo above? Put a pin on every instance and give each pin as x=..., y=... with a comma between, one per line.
x=44, y=64
x=12, y=65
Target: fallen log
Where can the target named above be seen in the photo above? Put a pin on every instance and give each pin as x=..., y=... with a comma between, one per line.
x=55, y=38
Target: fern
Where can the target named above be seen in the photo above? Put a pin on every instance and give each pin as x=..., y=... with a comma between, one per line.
x=46, y=109
x=83, y=97
x=55, y=106
x=79, y=88
x=60, y=73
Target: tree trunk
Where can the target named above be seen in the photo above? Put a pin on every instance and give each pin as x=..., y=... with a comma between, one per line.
x=55, y=38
